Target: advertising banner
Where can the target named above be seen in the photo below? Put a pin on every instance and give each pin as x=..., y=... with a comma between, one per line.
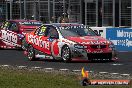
x=100, y=30
x=121, y=37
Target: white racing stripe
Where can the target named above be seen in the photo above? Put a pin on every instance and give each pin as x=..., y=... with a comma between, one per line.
x=114, y=73
x=125, y=74
x=63, y=69
x=76, y=70
x=36, y=67
x=49, y=69
x=117, y=75
x=5, y=65
x=103, y=72
x=116, y=64
x=21, y=66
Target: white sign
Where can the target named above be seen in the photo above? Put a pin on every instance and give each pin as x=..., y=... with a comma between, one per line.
x=100, y=30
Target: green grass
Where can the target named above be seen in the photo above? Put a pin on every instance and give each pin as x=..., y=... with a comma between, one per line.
x=34, y=79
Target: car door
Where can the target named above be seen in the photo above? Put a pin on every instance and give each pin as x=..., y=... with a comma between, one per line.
x=47, y=35
x=51, y=38
x=43, y=44
x=34, y=38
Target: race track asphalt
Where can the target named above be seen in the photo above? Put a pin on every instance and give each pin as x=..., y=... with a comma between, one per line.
x=17, y=58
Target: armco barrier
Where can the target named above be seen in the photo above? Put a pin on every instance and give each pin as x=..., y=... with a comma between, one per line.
x=121, y=37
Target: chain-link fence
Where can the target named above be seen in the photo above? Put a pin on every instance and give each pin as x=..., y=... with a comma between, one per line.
x=44, y=10
x=89, y=12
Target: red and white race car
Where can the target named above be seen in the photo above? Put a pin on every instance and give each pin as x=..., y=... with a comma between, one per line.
x=12, y=32
x=68, y=41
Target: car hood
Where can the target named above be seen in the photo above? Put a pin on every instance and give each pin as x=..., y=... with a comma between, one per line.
x=89, y=40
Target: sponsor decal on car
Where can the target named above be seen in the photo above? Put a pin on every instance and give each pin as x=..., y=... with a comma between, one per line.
x=38, y=41
x=11, y=36
x=30, y=23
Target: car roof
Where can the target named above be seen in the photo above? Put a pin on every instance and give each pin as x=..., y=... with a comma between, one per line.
x=64, y=24
x=22, y=20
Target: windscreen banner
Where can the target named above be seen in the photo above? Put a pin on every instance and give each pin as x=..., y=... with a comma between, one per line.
x=121, y=37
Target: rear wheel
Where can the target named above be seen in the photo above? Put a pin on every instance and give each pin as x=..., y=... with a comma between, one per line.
x=66, y=54
x=31, y=53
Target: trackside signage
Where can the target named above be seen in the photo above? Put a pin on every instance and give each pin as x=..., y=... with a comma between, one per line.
x=121, y=37
x=100, y=30
x=86, y=81
x=110, y=82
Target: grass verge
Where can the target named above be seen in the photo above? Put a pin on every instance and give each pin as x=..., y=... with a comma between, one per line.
x=35, y=79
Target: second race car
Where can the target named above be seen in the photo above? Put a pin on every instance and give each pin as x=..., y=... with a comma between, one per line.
x=68, y=41
x=12, y=32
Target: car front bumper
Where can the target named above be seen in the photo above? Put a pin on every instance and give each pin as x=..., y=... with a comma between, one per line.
x=94, y=55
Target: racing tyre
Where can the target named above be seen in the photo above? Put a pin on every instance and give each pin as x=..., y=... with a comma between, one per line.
x=66, y=54
x=31, y=53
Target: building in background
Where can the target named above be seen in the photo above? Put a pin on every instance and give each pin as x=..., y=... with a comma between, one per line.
x=98, y=13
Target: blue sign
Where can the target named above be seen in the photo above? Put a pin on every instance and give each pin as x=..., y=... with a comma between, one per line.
x=121, y=37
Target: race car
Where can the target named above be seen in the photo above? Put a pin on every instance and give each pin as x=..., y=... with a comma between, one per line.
x=67, y=42
x=12, y=32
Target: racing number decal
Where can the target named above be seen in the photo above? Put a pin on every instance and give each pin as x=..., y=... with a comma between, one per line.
x=43, y=28
x=6, y=36
x=4, y=26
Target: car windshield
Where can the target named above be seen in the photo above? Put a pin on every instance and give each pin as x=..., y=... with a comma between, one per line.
x=30, y=23
x=76, y=31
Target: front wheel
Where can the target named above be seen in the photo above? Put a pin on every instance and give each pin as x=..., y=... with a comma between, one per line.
x=24, y=44
x=66, y=54
x=30, y=53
